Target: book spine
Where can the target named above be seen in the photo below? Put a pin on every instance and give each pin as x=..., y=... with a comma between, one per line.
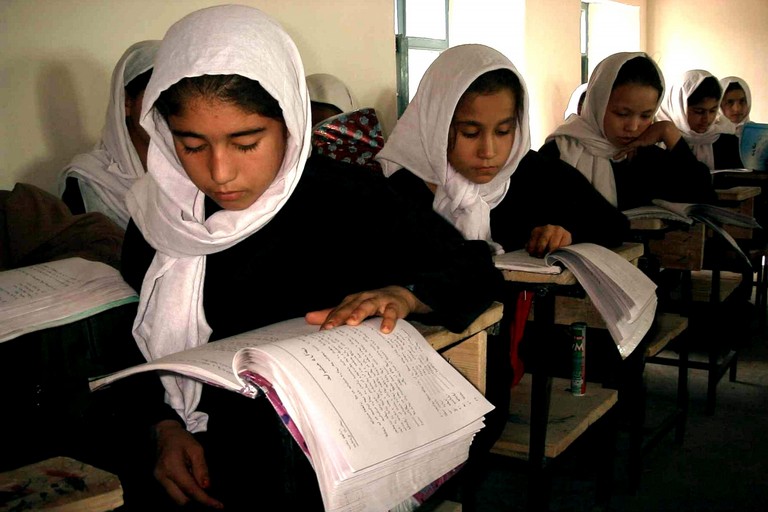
x=578, y=375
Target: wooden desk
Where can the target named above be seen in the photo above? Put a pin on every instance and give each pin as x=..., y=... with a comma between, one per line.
x=742, y=200
x=548, y=289
x=749, y=179
x=681, y=249
x=466, y=351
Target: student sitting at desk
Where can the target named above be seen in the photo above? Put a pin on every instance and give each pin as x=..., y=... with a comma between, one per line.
x=98, y=181
x=735, y=105
x=462, y=148
x=614, y=141
x=692, y=103
x=236, y=228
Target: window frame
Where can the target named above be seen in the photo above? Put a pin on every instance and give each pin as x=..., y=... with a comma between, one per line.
x=404, y=43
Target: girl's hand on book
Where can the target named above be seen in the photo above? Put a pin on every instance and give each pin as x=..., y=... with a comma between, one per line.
x=545, y=239
x=390, y=303
x=180, y=466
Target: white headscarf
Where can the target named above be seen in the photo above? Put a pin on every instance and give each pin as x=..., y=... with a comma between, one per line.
x=581, y=139
x=107, y=172
x=725, y=124
x=169, y=208
x=674, y=108
x=325, y=88
x=419, y=141
x=573, y=101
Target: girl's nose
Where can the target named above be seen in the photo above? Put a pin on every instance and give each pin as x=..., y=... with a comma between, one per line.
x=222, y=170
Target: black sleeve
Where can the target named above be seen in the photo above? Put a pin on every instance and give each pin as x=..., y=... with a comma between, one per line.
x=455, y=277
x=550, y=150
x=72, y=197
x=136, y=257
x=690, y=180
x=411, y=188
x=727, y=152
x=544, y=191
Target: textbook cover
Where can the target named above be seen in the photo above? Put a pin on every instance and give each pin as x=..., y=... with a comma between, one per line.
x=754, y=146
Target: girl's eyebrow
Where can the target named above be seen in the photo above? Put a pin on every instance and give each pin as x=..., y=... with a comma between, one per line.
x=195, y=135
x=510, y=119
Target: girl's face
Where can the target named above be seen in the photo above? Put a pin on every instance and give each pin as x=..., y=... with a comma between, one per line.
x=702, y=115
x=629, y=112
x=734, y=105
x=481, y=135
x=231, y=155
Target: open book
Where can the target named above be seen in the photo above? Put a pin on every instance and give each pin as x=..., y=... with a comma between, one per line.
x=690, y=212
x=57, y=293
x=59, y=484
x=380, y=416
x=623, y=295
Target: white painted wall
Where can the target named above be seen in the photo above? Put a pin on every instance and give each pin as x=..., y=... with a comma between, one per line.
x=58, y=57
x=725, y=37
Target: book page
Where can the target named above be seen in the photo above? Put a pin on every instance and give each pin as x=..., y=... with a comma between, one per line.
x=27, y=284
x=374, y=395
x=623, y=295
x=655, y=212
x=682, y=209
x=57, y=293
x=213, y=362
x=521, y=260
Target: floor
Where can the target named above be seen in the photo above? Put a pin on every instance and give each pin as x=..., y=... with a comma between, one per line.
x=721, y=465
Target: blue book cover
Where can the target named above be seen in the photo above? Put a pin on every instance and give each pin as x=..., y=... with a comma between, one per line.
x=754, y=146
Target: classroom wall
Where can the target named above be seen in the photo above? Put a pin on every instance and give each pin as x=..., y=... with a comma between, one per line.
x=552, y=63
x=725, y=38
x=58, y=57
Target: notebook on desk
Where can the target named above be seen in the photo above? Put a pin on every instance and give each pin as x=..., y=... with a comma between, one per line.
x=753, y=146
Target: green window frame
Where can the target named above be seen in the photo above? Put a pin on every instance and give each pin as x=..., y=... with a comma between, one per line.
x=404, y=44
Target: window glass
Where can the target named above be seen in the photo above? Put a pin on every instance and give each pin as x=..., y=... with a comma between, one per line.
x=418, y=62
x=425, y=18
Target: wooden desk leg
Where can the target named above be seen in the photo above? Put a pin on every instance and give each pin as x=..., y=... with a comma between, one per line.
x=541, y=390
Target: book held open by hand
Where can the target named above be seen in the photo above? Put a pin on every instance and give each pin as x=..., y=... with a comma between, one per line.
x=380, y=416
x=57, y=293
x=623, y=295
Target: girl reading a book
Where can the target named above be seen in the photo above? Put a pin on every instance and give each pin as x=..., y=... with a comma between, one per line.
x=692, y=103
x=234, y=227
x=614, y=143
x=462, y=149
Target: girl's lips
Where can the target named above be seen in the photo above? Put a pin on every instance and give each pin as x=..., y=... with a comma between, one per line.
x=228, y=196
